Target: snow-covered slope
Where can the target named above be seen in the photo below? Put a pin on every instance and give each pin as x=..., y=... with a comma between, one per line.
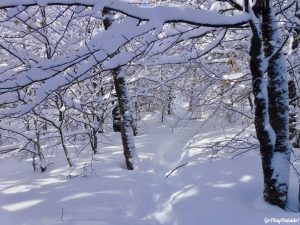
x=102, y=192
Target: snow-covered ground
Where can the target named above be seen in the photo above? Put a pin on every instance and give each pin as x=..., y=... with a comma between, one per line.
x=102, y=192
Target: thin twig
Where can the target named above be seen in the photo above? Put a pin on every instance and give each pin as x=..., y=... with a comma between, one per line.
x=175, y=169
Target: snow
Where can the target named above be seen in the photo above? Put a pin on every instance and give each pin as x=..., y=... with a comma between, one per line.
x=159, y=14
x=101, y=191
x=281, y=165
x=233, y=76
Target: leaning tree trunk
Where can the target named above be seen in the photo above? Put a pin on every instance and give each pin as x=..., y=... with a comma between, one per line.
x=64, y=146
x=271, y=103
x=124, y=104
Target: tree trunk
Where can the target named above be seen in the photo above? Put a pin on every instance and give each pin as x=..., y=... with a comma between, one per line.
x=135, y=119
x=294, y=132
x=94, y=140
x=271, y=103
x=264, y=131
x=126, y=117
x=124, y=105
x=278, y=107
x=37, y=146
x=40, y=154
x=64, y=146
x=170, y=98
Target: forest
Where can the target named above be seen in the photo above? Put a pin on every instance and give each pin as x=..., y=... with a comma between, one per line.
x=149, y=112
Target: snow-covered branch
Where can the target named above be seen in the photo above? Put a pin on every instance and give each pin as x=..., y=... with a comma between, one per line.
x=160, y=14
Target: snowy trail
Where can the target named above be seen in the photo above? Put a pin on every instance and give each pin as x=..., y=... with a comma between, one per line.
x=166, y=144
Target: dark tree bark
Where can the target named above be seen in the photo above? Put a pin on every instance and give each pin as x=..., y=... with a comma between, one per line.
x=294, y=132
x=116, y=119
x=94, y=140
x=123, y=103
x=271, y=102
x=135, y=119
x=261, y=121
x=278, y=106
x=126, y=117
x=170, y=99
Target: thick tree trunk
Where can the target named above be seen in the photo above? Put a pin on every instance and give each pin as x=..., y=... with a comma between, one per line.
x=278, y=107
x=124, y=105
x=264, y=131
x=271, y=103
x=126, y=117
